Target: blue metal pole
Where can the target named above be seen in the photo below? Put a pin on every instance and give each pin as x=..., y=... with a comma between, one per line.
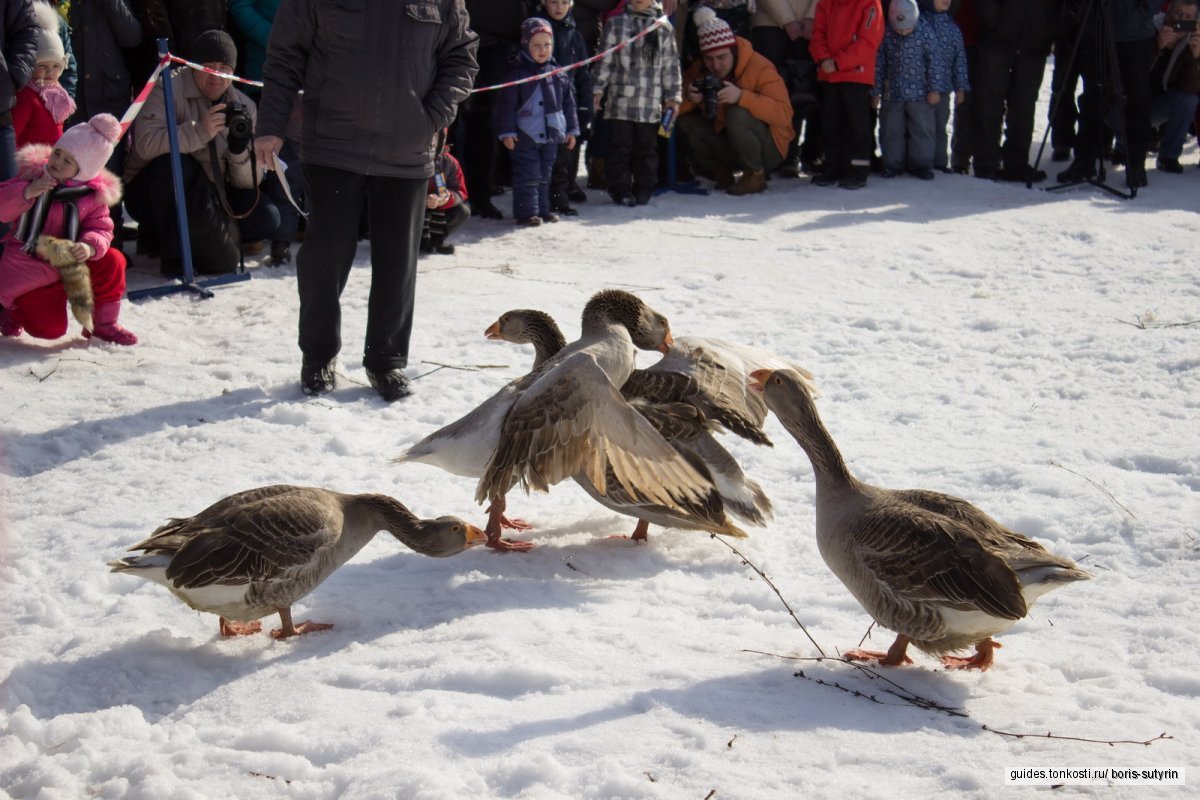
x=185, y=239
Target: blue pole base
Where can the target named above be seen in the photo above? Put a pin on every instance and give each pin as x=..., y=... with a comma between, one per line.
x=682, y=187
x=197, y=287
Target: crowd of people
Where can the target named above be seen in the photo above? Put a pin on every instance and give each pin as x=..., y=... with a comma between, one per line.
x=372, y=105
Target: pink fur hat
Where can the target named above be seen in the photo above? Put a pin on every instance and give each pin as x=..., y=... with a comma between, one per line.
x=91, y=144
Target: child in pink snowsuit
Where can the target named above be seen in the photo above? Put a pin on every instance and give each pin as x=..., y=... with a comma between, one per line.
x=32, y=295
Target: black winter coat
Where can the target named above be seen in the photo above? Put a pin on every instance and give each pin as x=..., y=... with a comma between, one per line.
x=181, y=21
x=379, y=80
x=100, y=31
x=1025, y=25
x=19, y=37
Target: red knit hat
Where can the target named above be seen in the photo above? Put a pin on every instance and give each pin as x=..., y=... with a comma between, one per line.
x=714, y=33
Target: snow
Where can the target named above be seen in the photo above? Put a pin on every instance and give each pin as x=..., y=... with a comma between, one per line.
x=966, y=336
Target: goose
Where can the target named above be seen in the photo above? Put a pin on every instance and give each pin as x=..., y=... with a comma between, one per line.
x=572, y=420
x=693, y=377
x=933, y=568
x=257, y=552
x=462, y=447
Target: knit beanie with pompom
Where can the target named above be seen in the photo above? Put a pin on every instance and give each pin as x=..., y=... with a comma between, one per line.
x=91, y=144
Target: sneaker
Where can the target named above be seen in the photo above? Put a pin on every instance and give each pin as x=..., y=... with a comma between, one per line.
x=444, y=249
x=924, y=173
x=624, y=199
x=530, y=222
x=567, y=211
x=281, y=253
x=826, y=178
x=319, y=379
x=789, y=168
x=391, y=384
x=9, y=325
x=549, y=217
x=1080, y=170
x=1168, y=164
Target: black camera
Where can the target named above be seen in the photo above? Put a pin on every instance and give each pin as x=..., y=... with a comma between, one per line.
x=237, y=120
x=1184, y=26
x=708, y=86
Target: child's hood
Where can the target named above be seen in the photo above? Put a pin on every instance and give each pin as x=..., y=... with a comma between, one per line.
x=32, y=160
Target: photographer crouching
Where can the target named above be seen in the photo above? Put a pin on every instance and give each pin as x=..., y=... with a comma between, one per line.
x=1175, y=80
x=736, y=115
x=215, y=127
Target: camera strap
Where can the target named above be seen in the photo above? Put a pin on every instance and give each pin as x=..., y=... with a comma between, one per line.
x=219, y=179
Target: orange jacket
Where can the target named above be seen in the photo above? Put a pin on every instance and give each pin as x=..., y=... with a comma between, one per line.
x=764, y=94
x=849, y=32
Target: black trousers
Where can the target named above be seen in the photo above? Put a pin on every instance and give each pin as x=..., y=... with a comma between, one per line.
x=1133, y=64
x=396, y=210
x=1006, y=93
x=774, y=45
x=631, y=164
x=847, y=127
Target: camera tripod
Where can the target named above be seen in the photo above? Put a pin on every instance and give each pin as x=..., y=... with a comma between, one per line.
x=1108, y=87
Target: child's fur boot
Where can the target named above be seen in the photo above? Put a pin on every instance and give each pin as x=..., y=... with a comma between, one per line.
x=76, y=277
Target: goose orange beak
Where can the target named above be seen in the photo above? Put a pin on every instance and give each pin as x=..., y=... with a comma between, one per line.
x=758, y=379
x=667, y=341
x=475, y=536
x=493, y=331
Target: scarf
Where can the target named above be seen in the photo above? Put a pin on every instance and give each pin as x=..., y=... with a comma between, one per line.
x=55, y=98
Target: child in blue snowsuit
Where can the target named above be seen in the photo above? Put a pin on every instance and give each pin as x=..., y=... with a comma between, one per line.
x=533, y=119
x=950, y=72
x=569, y=48
x=904, y=80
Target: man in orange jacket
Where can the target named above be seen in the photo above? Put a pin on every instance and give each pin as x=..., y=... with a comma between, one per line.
x=846, y=37
x=750, y=126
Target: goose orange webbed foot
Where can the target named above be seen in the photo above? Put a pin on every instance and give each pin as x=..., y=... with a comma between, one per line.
x=983, y=658
x=231, y=628
x=289, y=630
x=896, y=655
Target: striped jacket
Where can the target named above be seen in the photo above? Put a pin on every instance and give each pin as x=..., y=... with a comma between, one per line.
x=637, y=79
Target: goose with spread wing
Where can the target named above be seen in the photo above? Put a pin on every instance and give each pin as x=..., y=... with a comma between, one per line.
x=933, y=568
x=257, y=552
x=572, y=420
x=697, y=387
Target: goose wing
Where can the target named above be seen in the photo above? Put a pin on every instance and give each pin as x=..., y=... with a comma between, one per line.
x=921, y=557
x=573, y=419
x=257, y=541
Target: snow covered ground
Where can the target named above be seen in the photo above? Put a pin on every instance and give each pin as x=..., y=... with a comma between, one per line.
x=970, y=337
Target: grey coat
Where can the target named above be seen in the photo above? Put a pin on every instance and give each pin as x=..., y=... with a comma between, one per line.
x=18, y=37
x=380, y=78
x=100, y=29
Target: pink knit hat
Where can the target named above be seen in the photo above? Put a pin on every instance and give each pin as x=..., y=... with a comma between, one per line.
x=714, y=33
x=91, y=144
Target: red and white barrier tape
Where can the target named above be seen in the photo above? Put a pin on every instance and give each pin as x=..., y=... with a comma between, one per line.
x=658, y=23
x=201, y=68
x=139, y=101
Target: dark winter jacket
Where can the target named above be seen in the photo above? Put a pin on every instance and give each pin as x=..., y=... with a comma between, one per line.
x=538, y=112
x=100, y=30
x=180, y=21
x=499, y=19
x=379, y=80
x=1175, y=69
x=1026, y=26
x=19, y=35
x=569, y=48
x=589, y=19
x=252, y=19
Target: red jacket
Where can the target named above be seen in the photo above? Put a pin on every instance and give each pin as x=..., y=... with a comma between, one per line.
x=849, y=32
x=32, y=121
